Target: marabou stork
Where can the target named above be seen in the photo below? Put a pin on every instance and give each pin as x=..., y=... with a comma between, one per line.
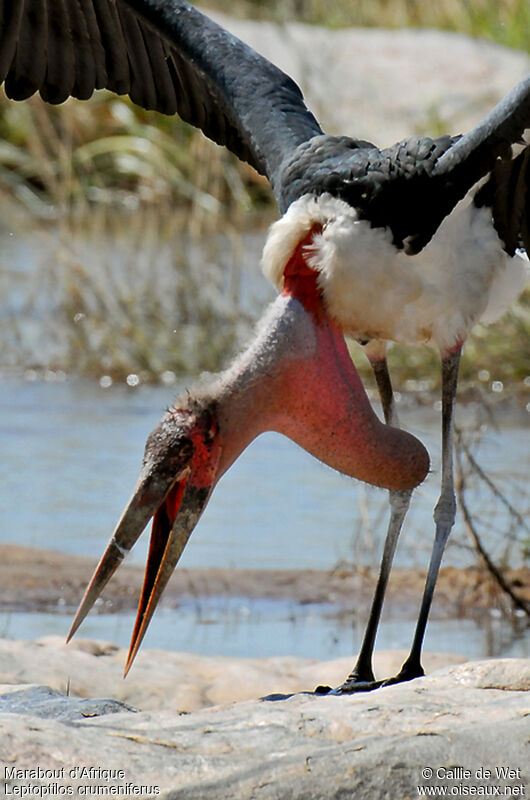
x=411, y=243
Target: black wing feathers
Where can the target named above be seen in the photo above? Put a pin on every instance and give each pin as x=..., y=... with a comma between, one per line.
x=118, y=74
x=142, y=90
x=60, y=73
x=29, y=66
x=487, y=150
x=475, y=153
x=507, y=193
x=167, y=57
x=10, y=20
x=94, y=38
x=85, y=67
x=237, y=98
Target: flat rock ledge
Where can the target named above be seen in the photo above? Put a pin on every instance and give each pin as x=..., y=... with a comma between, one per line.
x=465, y=727
x=177, y=682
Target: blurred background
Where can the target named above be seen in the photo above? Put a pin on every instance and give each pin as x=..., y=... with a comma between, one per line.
x=130, y=264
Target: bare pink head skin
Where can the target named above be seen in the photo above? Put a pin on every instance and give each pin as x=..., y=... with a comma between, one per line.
x=297, y=378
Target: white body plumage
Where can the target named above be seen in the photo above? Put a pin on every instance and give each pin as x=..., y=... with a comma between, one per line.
x=375, y=291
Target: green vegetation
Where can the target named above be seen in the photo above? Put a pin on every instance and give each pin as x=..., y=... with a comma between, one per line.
x=506, y=22
x=114, y=200
x=156, y=177
x=61, y=161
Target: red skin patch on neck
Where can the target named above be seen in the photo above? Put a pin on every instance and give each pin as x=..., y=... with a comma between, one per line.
x=321, y=404
x=301, y=280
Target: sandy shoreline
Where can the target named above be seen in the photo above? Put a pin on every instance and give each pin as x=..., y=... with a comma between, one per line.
x=37, y=580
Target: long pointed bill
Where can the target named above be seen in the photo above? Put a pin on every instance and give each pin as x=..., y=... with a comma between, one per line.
x=137, y=514
x=172, y=526
x=177, y=477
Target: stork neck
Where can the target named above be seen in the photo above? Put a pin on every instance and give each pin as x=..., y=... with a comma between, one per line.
x=249, y=394
x=297, y=378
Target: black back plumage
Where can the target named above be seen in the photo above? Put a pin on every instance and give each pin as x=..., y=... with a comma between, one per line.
x=169, y=57
x=392, y=188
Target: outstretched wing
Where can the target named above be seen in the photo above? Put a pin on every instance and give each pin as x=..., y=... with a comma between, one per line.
x=491, y=148
x=166, y=56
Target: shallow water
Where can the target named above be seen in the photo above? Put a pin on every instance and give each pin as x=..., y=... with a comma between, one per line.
x=261, y=628
x=71, y=451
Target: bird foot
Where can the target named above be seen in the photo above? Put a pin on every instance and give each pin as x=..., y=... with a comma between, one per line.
x=407, y=673
x=350, y=686
x=354, y=683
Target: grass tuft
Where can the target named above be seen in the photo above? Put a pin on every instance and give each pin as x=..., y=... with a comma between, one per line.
x=83, y=172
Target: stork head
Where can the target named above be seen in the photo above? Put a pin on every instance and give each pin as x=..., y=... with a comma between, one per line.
x=179, y=471
x=297, y=378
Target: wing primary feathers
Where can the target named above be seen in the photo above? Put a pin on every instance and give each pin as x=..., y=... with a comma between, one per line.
x=474, y=154
x=507, y=193
x=142, y=90
x=95, y=45
x=85, y=71
x=241, y=100
x=182, y=97
x=163, y=85
x=167, y=56
x=29, y=64
x=10, y=22
x=114, y=47
x=524, y=189
x=60, y=69
x=515, y=200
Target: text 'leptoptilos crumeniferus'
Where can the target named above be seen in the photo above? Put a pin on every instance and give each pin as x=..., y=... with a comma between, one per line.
x=411, y=243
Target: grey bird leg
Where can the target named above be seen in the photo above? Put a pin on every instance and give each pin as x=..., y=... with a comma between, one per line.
x=362, y=676
x=444, y=515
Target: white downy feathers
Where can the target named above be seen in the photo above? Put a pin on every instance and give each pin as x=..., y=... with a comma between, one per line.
x=375, y=291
